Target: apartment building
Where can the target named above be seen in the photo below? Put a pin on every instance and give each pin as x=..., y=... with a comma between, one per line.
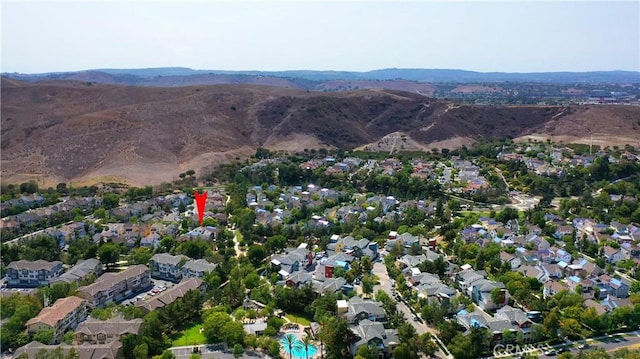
x=63, y=315
x=167, y=266
x=32, y=274
x=172, y=294
x=116, y=287
x=197, y=268
x=81, y=271
x=96, y=331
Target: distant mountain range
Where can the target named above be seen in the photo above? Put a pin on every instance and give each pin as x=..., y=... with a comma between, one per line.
x=147, y=76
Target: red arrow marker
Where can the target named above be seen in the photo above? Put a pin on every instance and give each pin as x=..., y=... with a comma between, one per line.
x=200, y=201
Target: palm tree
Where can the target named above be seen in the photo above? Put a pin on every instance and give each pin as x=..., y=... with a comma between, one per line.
x=322, y=321
x=289, y=341
x=306, y=343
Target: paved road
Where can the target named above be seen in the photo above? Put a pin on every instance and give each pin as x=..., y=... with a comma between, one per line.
x=612, y=343
x=609, y=343
x=385, y=284
x=213, y=351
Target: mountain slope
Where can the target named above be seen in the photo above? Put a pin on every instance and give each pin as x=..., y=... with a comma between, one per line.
x=69, y=131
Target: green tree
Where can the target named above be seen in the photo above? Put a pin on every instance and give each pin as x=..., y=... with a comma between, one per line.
x=44, y=336
x=109, y=254
x=68, y=337
x=100, y=213
x=306, y=344
x=140, y=255
x=141, y=351
x=368, y=352
x=337, y=337
x=403, y=351
x=551, y=324
x=256, y=254
x=238, y=350
x=368, y=282
x=72, y=354
x=110, y=200
x=289, y=341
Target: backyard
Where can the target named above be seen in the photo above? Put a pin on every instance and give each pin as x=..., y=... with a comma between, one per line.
x=190, y=336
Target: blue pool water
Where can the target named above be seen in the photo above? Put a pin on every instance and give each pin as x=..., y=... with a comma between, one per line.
x=298, y=350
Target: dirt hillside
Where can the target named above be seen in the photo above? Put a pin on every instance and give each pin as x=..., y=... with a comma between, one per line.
x=81, y=132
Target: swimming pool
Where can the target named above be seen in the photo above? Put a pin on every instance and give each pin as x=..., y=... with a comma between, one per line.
x=298, y=349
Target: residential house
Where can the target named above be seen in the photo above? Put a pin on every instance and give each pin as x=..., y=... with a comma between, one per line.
x=618, y=288
x=532, y=272
x=327, y=266
x=351, y=246
x=585, y=285
x=207, y=233
x=416, y=278
x=151, y=240
x=299, y=279
x=332, y=285
x=612, y=303
x=63, y=315
x=409, y=261
x=513, y=261
x=197, y=268
x=505, y=319
x=409, y=243
x=552, y=288
x=374, y=335
x=172, y=294
x=168, y=267
x=552, y=271
x=359, y=309
x=292, y=261
x=611, y=287
x=527, y=256
x=80, y=271
x=96, y=331
x=467, y=277
x=600, y=309
x=32, y=274
x=583, y=268
x=482, y=293
x=563, y=231
x=630, y=250
x=435, y=292
x=116, y=287
x=519, y=320
x=561, y=255
x=612, y=255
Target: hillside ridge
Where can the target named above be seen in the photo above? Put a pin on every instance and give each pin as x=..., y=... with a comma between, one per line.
x=61, y=131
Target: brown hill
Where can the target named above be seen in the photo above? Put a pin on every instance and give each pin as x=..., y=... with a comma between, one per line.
x=72, y=131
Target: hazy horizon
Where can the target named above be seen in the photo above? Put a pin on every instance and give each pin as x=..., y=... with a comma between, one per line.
x=301, y=70
x=513, y=37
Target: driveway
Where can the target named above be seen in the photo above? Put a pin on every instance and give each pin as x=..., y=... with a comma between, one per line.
x=385, y=284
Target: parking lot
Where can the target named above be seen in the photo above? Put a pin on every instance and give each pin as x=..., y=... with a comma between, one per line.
x=159, y=286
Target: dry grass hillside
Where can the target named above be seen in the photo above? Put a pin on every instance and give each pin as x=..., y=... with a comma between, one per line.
x=74, y=131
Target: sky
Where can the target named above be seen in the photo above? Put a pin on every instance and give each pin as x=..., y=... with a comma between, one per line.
x=505, y=36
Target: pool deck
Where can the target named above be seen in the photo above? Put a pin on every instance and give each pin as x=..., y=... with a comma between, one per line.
x=299, y=333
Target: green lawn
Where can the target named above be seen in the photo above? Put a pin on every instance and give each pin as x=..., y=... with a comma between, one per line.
x=297, y=319
x=191, y=336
